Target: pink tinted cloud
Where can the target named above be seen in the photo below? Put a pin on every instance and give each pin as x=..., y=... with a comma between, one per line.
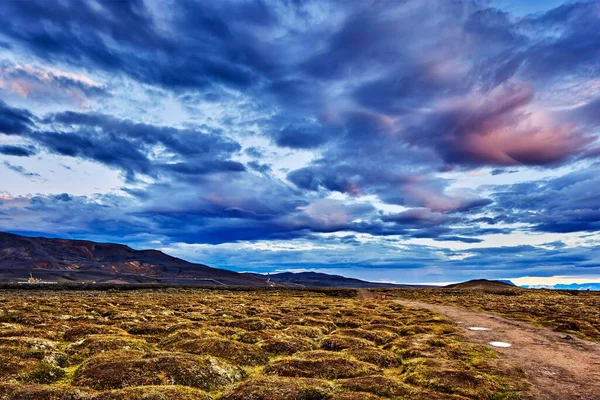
x=418, y=216
x=435, y=199
x=32, y=82
x=504, y=128
x=327, y=212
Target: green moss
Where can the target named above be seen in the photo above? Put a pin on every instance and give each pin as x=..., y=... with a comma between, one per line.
x=379, y=357
x=148, y=328
x=327, y=368
x=287, y=345
x=43, y=392
x=337, y=343
x=462, y=382
x=324, y=325
x=378, y=337
x=355, y=396
x=155, y=393
x=239, y=353
x=304, y=331
x=42, y=373
x=254, y=324
x=281, y=389
x=97, y=344
x=379, y=385
x=83, y=330
x=115, y=370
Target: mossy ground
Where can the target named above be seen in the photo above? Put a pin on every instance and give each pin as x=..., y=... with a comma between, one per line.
x=236, y=345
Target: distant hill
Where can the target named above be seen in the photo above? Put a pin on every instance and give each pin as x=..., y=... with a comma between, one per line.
x=63, y=260
x=482, y=284
x=316, y=279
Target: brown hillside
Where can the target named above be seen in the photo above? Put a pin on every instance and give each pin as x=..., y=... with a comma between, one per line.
x=482, y=284
x=65, y=260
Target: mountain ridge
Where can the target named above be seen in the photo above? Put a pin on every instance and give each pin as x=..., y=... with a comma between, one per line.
x=483, y=284
x=68, y=260
x=311, y=278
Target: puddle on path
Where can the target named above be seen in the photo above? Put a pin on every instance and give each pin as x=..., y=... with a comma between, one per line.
x=477, y=328
x=500, y=344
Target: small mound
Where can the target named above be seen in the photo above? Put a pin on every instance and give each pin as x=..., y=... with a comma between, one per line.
x=328, y=368
x=381, y=358
x=421, y=346
x=324, y=325
x=42, y=392
x=253, y=324
x=41, y=373
x=27, y=370
x=11, y=366
x=281, y=389
x=432, y=395
x=286, y=346
x=348, y=323
x=147, y=328
x=355, y=396
x=198, y=315
x=182, y=335
x=375, y=336
x=384, y=327
x=80, y=331
x=461, y=382
x=253, y=337
x=316, y=355
x=119, y=369
x=337, y=343
x=31, y=343
x=96, y=344
x=188, y=326
x=18, y=330
x=155, y=393
x=391, y=322
x=311, y=332
x=239, y=353
x=378, y=385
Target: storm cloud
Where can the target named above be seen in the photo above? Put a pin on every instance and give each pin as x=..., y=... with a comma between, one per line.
x=409, y=136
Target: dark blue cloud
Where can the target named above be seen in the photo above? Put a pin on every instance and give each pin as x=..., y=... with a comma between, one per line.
x=305, y=136
x=18, y=151
x=14, y=121
x=458, y=239
x=211, y=42
x=564, y=204
x=573, y=50
x=21, y=170
x=126, y=145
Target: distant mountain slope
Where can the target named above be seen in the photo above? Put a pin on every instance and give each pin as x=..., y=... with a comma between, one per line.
x=65, y=260
x=564, y=286
x=316, y=279
x=482, y=284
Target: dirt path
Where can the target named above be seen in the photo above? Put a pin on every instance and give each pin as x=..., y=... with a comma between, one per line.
x=366, y=294
x=558, y=368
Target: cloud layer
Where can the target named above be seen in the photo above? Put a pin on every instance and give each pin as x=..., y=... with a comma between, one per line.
x=437, y=126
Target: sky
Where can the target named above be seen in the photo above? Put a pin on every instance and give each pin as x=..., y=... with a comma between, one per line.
x=406, y=141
